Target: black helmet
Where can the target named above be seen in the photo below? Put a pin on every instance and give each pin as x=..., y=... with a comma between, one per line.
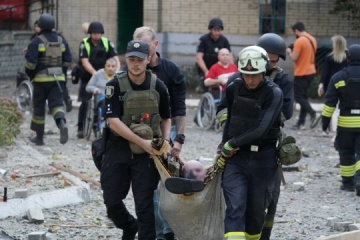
x=353, y=53
x=216, y=22
x=273, y=43
x=96, y=27
x=46, y=22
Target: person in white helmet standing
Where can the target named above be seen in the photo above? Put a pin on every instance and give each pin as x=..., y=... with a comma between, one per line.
x=250, y=139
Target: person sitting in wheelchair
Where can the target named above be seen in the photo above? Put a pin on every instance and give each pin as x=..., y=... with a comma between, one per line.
x=216, y=80
x=98, y=81
x=220, y=71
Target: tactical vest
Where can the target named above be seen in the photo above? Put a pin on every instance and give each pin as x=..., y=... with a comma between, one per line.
x=97, y=57
x=245, y=112
x=140, y=106
x=52, y=60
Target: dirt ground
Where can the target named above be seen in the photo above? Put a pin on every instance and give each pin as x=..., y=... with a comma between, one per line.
x=302, y=212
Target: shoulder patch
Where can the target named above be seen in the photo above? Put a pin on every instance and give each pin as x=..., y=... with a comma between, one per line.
x=109, y=91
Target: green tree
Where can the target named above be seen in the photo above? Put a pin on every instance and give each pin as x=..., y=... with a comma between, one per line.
x=348, y=9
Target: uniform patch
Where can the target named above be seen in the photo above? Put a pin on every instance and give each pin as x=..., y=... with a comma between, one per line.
x=109, y=91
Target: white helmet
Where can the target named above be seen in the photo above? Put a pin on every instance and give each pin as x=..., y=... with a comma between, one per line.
x=253, y=60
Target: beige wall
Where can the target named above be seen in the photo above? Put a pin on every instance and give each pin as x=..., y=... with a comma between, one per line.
x=242, y=17
x=241, y=20
x=315, y=15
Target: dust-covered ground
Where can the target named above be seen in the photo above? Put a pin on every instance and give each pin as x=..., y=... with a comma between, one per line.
x=302, y=212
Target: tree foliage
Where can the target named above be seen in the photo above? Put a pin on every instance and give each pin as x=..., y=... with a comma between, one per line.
x=349, y=10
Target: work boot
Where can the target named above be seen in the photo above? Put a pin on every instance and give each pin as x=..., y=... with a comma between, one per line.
x=357, y=188
x=315, y=120
x=169, y=236
x=37, y=140
x=68, y=105
x=130, y=232
x=80, y=134
x=298, y=126
x=63, y=131
x=183, y=185
x=348, y=187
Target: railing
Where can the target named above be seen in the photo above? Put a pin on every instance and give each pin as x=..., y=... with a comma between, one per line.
x=11, y=18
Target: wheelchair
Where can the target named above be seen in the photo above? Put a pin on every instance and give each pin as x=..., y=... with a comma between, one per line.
x=206, y=111
x=24, y=91
x=94, y=120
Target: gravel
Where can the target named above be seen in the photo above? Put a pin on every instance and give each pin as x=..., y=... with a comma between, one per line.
x=311, y=195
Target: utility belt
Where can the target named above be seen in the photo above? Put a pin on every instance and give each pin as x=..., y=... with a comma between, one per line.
x=259, y=148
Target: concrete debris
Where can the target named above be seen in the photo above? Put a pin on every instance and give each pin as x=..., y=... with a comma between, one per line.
x=35, y=215
x=331, y=221
x=21, y=193
x=37, y=236
x=342, y=226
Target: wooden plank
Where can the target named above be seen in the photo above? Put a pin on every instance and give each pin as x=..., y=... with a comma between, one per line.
x=353, y=235
x=43, y=174
x=83, y=177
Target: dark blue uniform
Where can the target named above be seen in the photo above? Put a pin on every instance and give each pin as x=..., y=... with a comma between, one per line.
x=47, y=86
x=344, y=87
x=121, y=167
x=249, y=176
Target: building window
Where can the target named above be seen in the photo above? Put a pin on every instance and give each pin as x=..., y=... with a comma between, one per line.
x=272, y=16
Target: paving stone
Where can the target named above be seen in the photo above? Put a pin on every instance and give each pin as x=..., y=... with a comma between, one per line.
x=37, y=236
x=331, y=221
x=21, y=193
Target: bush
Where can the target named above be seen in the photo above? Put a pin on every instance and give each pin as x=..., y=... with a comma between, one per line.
x=191, y=77
x=10, y=120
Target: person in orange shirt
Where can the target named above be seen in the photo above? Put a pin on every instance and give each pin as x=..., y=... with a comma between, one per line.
x=303, y=55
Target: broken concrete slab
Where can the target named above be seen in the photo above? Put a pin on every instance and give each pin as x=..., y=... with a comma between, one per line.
x=354, y=235
x=58, y=198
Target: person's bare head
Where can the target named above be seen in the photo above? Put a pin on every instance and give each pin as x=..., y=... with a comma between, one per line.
x=110, y=66
x=194, y=169
x=148, y=35
x=224, y=56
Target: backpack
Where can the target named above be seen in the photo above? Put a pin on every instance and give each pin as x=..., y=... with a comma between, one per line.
x=289, y=152
x=98, y=148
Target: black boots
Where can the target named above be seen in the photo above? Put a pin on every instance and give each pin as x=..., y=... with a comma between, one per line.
x=63, y=131
x=38, y=140
x=130, y=232
x=68, y=105
x=123, y=220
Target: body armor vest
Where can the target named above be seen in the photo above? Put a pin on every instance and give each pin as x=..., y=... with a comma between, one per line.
x=51, y=59
x=245, y=112
x=140, y=106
